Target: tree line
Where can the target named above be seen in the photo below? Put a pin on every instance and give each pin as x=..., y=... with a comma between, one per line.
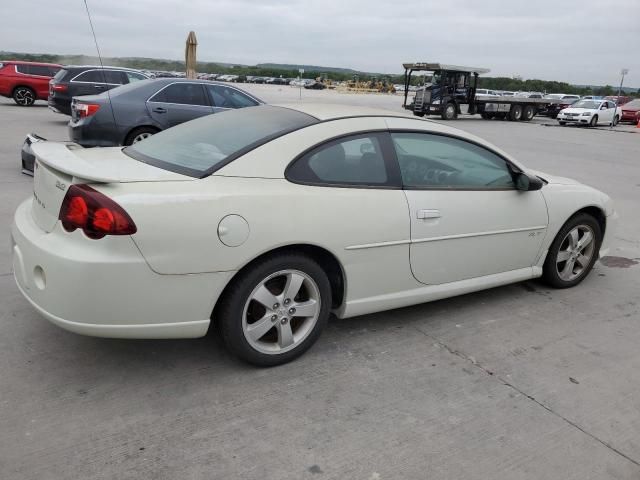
x=153, y=64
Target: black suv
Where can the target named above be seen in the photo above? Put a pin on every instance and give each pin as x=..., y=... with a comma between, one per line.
x=73, y=81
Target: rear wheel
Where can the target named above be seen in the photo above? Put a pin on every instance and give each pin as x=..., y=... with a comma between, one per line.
x=616, y=119
x=594, y=121
x=573, y=252
x=450, y=112
x=515, y=114
x=24, y=96
x=275, y=311
x=139, y=134
x=528, y=113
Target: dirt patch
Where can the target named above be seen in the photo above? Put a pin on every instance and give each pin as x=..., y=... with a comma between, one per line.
x=618, y=262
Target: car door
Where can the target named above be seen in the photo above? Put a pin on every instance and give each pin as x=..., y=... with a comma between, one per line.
x=467, y=218
x=224, y=98
x=178, y=103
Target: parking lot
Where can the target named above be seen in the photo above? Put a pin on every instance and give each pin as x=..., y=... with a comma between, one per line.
x=518, y=382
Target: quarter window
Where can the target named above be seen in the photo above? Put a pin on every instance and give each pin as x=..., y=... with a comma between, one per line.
x=182, y=93
x=437, y=161
x=134, y=77
x=226, y=97
x=355, y=160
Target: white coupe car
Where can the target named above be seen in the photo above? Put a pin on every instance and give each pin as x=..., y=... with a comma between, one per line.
x=591, y=113
x=264, y=220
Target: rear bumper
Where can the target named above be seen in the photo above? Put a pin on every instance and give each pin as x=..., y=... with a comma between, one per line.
x=59, y=105
x=84, y=133
x=104, y=287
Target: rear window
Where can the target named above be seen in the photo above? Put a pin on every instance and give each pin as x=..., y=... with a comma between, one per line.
x=633, y=104
x=60, y=75
x=202, y=146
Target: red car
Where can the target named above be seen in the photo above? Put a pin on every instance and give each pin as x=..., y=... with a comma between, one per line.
x=620, y=100
x=631, y=111
x=26, y=82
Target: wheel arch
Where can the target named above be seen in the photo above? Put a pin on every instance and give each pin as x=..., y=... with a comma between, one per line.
x=137, y=127
x=22, y=85
x=326, y=259
x=595, y=212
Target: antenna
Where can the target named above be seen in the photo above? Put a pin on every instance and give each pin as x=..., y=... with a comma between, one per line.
x=104, y=78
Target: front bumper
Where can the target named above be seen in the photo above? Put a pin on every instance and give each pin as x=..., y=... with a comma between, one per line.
x=104, y=287
x=581, y=120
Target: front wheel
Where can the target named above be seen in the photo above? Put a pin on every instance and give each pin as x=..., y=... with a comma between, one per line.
x=562, y=123
x=24, y=96
x=450, y=111
x=594, y=121
x=275, y=311
x=573, y=252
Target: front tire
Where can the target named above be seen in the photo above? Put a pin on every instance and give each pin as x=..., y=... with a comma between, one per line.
x=562, y=123
x=275, y=310
x=450, y=112
x=24, y=96
x=594, y=121
x=573, y=252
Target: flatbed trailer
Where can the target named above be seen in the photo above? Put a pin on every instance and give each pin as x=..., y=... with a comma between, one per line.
x=453, y=87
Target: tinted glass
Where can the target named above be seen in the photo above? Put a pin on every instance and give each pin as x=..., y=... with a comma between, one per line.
x=134, y=77
x=60, y=75
x=24, y=69
x=633, y=104
x=41, y=70
x=437, y=161
x=182, y=93
x=226, y=97
x=201, y=146
x=354, y=160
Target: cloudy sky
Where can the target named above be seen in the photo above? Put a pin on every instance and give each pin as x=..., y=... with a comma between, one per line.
x=578, y=41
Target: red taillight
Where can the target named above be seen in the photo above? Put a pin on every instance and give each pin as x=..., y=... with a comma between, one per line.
x=95, y=213
x=59, y=87
x=86, y=109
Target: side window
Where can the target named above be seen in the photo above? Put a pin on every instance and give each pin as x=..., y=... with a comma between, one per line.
x=226, y=97
x=182, y=93
x=24, y=69
x=41, y=70
x=134, y=77
x=437, y=161
x=355, y=160
x=114, y=77
x=91, y=76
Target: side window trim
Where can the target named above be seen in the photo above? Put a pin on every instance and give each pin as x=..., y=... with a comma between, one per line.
x=205, y=93
x=94, y=70
x=394, y=180
x=510, y=166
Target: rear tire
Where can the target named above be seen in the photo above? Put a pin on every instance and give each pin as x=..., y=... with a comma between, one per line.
x=265, y=335
x=616, y=119
x=572, y=255
x=140, y=134
x=594, y=121
x=24, y=96
x=515, y=114
x=528, y=113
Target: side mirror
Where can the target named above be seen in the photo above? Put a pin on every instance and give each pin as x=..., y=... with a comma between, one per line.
x=527, y=183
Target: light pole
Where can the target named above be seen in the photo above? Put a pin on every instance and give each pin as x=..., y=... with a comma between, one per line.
x=623, y=72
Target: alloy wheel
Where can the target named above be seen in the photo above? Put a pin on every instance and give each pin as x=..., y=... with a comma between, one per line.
x=575, y=253
x=141, y=136
x=24, y=97
x=281, y=312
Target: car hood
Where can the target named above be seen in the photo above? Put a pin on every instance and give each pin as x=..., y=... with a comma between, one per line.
x=103, y=165
x=554, y=179
x=579, y=110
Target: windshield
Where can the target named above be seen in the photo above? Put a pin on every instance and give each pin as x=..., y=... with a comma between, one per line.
x=587, y=104
x=199, y=147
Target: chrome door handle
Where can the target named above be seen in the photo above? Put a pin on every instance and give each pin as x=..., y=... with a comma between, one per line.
x=425, y=214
